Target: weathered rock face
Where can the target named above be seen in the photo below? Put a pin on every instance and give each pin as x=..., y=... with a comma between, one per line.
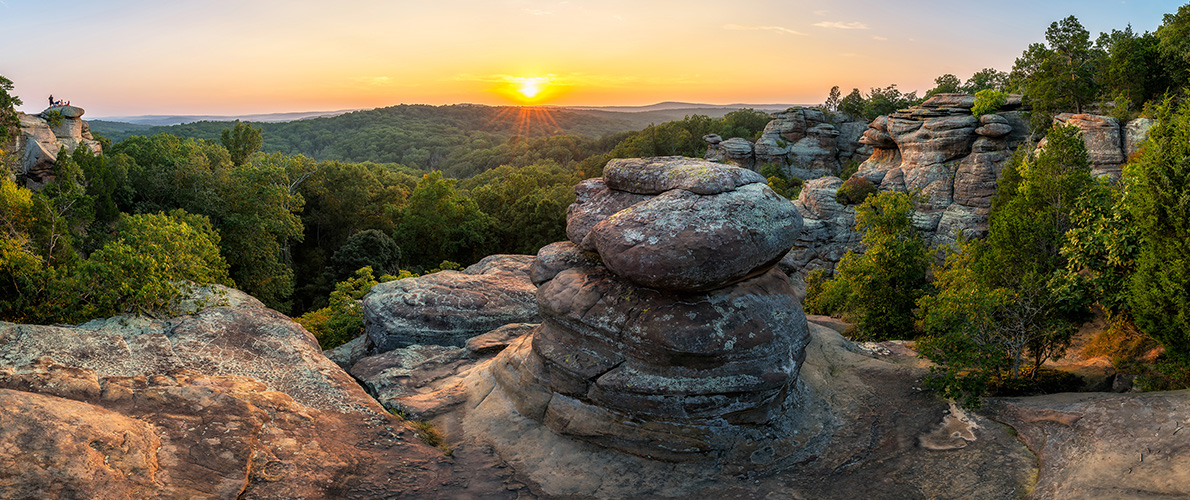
x=803, y=141
x=1109, y=143
x=232, y=402
x=40, y=142
x=950, y=158
x=938, y=150
x=635, y=355
x=448, y=307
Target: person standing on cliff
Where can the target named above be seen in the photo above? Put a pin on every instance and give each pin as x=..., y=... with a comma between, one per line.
x=51, y=100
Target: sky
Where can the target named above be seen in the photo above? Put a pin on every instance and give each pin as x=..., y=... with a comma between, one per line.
x=227, y=57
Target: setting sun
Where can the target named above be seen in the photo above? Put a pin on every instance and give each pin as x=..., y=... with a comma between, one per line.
x=530, y=87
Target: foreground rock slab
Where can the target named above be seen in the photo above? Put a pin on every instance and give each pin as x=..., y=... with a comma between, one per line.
x=1105, y=446
x=234, y=401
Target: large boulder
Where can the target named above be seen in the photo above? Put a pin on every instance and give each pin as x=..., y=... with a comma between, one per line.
x=676, y=338
x=235, y=401
x=448, y=307
x=700, y=225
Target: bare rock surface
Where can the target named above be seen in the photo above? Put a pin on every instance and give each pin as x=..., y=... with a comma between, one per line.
x=448, y=307
x=234, y=401
x=1105, y=446
x=864, y=441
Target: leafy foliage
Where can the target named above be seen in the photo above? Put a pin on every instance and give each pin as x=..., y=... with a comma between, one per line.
x=342, y=320
x=879, y=287
x=1158, y=199
x=879, y=101
x=854, y=191
x=241, y=141
x=988, y=101
x=1004, y=300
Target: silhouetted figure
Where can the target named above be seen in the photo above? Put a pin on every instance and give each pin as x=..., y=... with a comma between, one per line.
x=51, y=100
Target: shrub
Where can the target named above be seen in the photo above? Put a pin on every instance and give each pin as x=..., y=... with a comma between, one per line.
x=988, y=101
x=854, y=191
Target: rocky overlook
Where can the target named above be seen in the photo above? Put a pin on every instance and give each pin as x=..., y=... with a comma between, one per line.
x=43, y=136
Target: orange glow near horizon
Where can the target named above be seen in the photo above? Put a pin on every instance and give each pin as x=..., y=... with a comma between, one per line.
x=194, y=58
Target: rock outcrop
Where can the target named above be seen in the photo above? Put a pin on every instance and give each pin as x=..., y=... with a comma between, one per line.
x=235, y=401
x=1109, y=142
x=802, y=141
x=953, y=160
x=44, y=136
x=449, y=307
x=675, y=338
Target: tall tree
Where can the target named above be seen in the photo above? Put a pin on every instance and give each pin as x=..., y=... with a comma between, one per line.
x=10, y=126
x=1158, y=196
x=241, y=141
x=1058, y=76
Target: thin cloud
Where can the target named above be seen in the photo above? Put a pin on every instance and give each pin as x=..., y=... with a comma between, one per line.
x=821, y=12
x=537, y=12
x=842, y=26
x=881, y=38
x=778, y=29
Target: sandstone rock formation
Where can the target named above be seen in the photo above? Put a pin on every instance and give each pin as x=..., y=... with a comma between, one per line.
x=676, y=338
x=1109, y=143
x=234, y=401
x=940, y=151
x=44, y=136
x=448, y=307
x=803, y=141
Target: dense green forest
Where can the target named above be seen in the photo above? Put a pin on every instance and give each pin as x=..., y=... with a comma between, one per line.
x=288, y=227
x=460, y=140
x=306, y=216
x=1061, y=244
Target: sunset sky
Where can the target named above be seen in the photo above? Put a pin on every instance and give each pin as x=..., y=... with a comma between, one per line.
x=131, y=57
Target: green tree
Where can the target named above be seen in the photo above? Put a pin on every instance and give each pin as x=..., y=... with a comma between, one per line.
x=241, y=141
x=1004, y=301
x=343, y=319
x=10, y=125
x=880, y=287
x=1158, y=198
x=1059, y=76
x=147, y=268
x=438, y=222
x=853, y=104
x=1174, y=45
x=986, y=79
x=945, y=84
x=832, y=100
x=369, y=248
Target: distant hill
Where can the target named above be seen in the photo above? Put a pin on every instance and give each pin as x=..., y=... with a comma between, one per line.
x=164, y=120
x=424, y=136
